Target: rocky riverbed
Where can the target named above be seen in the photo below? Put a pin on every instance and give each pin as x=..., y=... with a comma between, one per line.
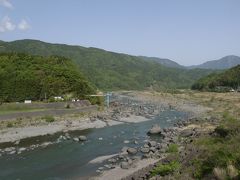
x=136, y=154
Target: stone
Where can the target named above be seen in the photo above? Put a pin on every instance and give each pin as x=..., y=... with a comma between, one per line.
x=186, y=133
x=82, y=138
x=152, y=143
x=22, y=149
x=75, y=139
x=153, y=149
x=125, y=165
x=156, y=129
x=145, y=150
x=12, y=152
x=132, y=151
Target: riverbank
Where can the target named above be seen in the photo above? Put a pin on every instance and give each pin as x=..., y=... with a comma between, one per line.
x=208, y=110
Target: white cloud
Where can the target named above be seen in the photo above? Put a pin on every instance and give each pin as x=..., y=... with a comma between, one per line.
x=23, y=25
x=6, y=24
x=6, y=4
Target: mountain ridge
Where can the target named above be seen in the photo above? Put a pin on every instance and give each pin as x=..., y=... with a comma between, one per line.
x=109, y=70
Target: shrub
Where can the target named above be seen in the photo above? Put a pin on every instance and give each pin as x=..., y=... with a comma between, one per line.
x=221, y=131
x=165, y=169
x=67, y=106
x=173, y=148
x=9, y=124
x=49, y=119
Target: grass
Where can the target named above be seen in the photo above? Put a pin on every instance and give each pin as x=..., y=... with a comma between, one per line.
x=221, y=150
x=173, y=148
x=165, y=169
x=49, y=118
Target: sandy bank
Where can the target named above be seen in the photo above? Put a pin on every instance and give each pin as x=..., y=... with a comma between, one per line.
x=15, y=134
x=118, y=173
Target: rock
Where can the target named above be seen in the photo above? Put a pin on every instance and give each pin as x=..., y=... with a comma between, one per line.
x=45, y=144
x=12, y=152
x=9, y=149
x=22, y=149
x=132, y=151
x=153, y=149
x=146, y=156
x=75, y=139
x=112, y=160
x=125, y=165
x=101, y=168
x=82, y=138
x=156, y=129
x=186, y=133
x=145, y=150
x=152, y=143
x=146, y=146
x=17, y=142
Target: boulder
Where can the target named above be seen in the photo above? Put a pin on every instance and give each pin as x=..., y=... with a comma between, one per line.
x=152, y=143
x=132, y=151
x=75, y=139
x=145, y=150
x=156, y=129
x=125, y=165
x=82, y=138
x=186, y=133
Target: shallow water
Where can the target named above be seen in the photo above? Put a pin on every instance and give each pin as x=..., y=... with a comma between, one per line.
x=69, y=160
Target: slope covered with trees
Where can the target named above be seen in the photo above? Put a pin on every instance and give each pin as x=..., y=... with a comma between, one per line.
x=228, y=78
x=32, y=77
x=111, y=71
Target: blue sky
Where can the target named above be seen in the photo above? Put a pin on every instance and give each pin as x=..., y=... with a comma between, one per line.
x=186, y=31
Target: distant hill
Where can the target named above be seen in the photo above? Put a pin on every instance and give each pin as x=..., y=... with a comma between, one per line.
x=109, y=70
x=164, y=62
x=24, y=76
x=228, y=78
x=223, y=63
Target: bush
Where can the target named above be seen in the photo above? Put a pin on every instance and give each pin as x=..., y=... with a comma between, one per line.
x=173, y=148
x=49, y=119
x=67, y=106
x=9, y=124
x=165, y=169
x=221, y=131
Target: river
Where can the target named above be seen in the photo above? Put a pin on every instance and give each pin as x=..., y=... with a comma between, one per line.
x=70, y=160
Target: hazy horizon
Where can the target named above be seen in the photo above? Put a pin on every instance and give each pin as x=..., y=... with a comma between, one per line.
x=186, y=32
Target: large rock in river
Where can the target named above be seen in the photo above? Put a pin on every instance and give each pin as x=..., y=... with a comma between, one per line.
x=132, y=151
x=156, y=129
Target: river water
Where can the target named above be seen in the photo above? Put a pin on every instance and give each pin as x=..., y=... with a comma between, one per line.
x=69, y=160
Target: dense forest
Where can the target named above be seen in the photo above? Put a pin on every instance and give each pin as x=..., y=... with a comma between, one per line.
x=34, y=77
x=228, y=79
x=111, y=71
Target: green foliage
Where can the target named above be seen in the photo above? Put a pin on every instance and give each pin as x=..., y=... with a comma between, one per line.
x=220, y=82
x=9, y=124
x=49, y=118
x=34, y=77
x=111, y=71
x=219, y=151
x=165, y=169
x=173, y=148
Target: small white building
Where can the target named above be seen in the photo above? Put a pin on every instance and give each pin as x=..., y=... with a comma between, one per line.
x=28, y=101
x=58, y=98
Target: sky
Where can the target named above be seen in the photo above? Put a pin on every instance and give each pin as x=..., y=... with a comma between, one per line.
x=187, y=31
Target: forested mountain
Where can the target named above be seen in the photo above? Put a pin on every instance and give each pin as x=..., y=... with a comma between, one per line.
x=164, y=62
x=108, y=70
x=223, y=63
x=228, y=78
x=34, y=77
